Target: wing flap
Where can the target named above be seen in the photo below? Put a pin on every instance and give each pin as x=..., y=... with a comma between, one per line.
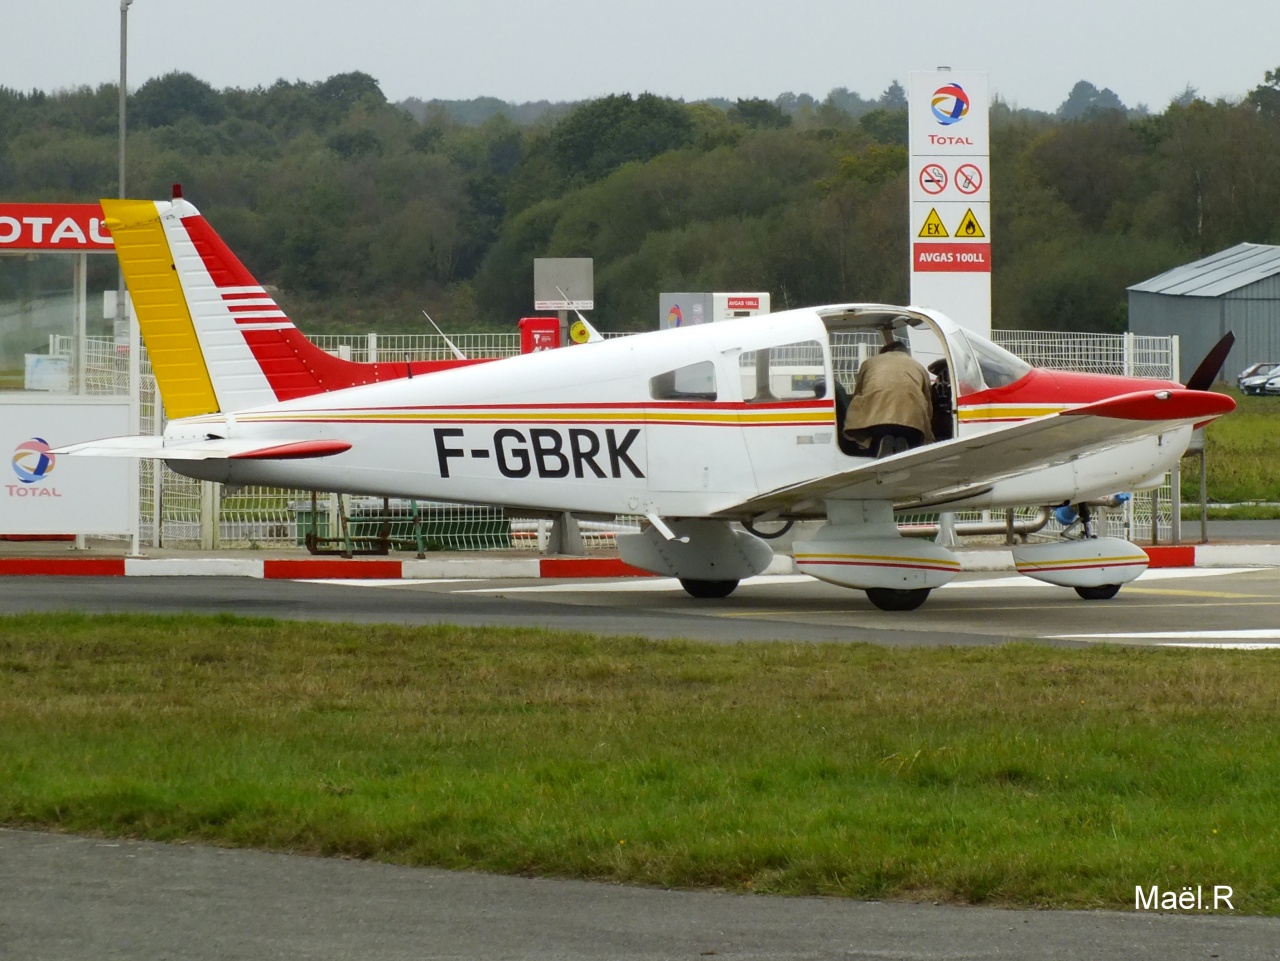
x=211, y=449
x=949, y=470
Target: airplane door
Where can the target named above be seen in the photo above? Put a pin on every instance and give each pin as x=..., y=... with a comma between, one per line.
x=789, y=412
x=695, y=441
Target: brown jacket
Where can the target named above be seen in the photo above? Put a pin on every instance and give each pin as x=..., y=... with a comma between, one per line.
x=892, y=388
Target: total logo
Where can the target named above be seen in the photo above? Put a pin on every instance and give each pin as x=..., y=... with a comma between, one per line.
x=32, y=462
x=950, y=104
x=675, y=316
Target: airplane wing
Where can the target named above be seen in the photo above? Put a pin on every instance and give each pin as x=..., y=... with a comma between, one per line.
x=950, y=471
x=211, y=449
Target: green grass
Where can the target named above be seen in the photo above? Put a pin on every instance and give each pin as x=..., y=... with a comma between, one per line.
x=1233, y=512
x=1242, y=453
x=1018, y=775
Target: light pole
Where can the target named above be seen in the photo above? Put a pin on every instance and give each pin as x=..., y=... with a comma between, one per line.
x=124, y=60
x=122, y=303
x=124, y=57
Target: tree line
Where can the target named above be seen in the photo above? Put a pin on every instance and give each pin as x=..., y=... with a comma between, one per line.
x=363, y=212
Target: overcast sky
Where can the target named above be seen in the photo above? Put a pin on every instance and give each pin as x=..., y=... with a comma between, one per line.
x=1033, y=50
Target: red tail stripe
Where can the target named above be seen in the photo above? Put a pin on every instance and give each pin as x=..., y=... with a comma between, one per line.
x=223, y=266
x=293, y=366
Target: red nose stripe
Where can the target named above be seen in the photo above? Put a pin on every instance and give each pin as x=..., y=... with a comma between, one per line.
x=295, y=451
x=1159, y=405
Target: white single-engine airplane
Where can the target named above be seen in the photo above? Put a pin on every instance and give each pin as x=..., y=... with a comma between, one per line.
x=695, y=428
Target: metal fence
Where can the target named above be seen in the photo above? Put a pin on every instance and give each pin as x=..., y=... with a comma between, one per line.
x=375, y=348
x=177, y=511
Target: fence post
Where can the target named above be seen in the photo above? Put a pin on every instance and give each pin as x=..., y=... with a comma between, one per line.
x=157, y=465
x=210, y=515
x=1130, y=347
x=373, y=347
x=1175, y=516
x=335, y=514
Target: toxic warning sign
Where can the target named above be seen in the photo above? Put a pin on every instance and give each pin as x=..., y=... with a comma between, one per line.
x=933, y=226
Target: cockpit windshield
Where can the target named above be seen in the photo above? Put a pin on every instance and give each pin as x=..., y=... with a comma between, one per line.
x=998, y=367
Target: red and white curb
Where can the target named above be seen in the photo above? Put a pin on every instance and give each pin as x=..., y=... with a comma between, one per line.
x=319, y=568
x=490, y=568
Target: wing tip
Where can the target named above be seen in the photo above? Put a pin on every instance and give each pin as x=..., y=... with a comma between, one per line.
x=1171, y=404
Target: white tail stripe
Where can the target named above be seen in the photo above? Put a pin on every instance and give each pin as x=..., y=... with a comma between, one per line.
x=238, y=379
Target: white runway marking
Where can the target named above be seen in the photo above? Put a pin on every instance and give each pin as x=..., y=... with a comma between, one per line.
x=658, y=584
x=630, y=584
x=1259, y=646
x=380, y=581
x=1159, y=574
x=1253, y=634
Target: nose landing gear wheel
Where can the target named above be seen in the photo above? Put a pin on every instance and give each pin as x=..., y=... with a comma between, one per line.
x=708, y=588
x=1103, y=593
x=891, y=599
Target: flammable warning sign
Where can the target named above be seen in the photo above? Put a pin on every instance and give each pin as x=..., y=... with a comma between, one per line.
x=975, y=258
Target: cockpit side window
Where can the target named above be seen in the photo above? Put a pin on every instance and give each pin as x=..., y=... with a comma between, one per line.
x=691, y=382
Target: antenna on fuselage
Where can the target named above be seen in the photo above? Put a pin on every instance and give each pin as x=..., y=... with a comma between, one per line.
x=452, y=346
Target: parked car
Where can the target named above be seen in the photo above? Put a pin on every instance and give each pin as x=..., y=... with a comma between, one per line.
x=1257, y=383
x=1272, y=385
x=1255, y=370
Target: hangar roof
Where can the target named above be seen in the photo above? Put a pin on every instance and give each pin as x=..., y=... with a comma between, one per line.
x=1217, y=274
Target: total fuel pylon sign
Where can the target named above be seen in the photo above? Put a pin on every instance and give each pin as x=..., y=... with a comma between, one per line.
x=951, y=196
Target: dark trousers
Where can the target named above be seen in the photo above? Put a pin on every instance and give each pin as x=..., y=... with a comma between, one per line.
x=889, y=439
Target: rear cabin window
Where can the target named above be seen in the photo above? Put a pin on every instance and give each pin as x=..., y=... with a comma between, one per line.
x=793, y=371
x=692, y=382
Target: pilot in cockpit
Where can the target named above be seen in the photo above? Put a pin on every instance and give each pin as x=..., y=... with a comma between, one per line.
x=892, y=404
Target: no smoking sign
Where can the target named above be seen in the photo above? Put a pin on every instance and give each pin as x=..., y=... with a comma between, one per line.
x=933, y=178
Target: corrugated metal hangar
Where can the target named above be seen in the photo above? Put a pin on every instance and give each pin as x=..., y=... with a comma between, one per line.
x=1237, y=289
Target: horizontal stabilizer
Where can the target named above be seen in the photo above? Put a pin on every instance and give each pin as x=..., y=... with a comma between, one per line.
x=214, y=448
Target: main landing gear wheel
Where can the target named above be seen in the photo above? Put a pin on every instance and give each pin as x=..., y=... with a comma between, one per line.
x=891, y=599
x=708, y=588
x=1103, y=593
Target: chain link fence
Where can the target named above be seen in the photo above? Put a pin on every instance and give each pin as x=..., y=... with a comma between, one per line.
x=177, y=511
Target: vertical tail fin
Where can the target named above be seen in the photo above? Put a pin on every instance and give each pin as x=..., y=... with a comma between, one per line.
x=216, y=338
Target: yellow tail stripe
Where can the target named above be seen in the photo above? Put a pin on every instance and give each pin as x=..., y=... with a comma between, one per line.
x=166, y=324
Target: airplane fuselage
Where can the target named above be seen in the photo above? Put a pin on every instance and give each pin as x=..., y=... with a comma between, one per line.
x=585, y=429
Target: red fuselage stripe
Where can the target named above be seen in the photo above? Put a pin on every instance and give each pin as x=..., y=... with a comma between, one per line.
x=954, y=569
x=1081, y=567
